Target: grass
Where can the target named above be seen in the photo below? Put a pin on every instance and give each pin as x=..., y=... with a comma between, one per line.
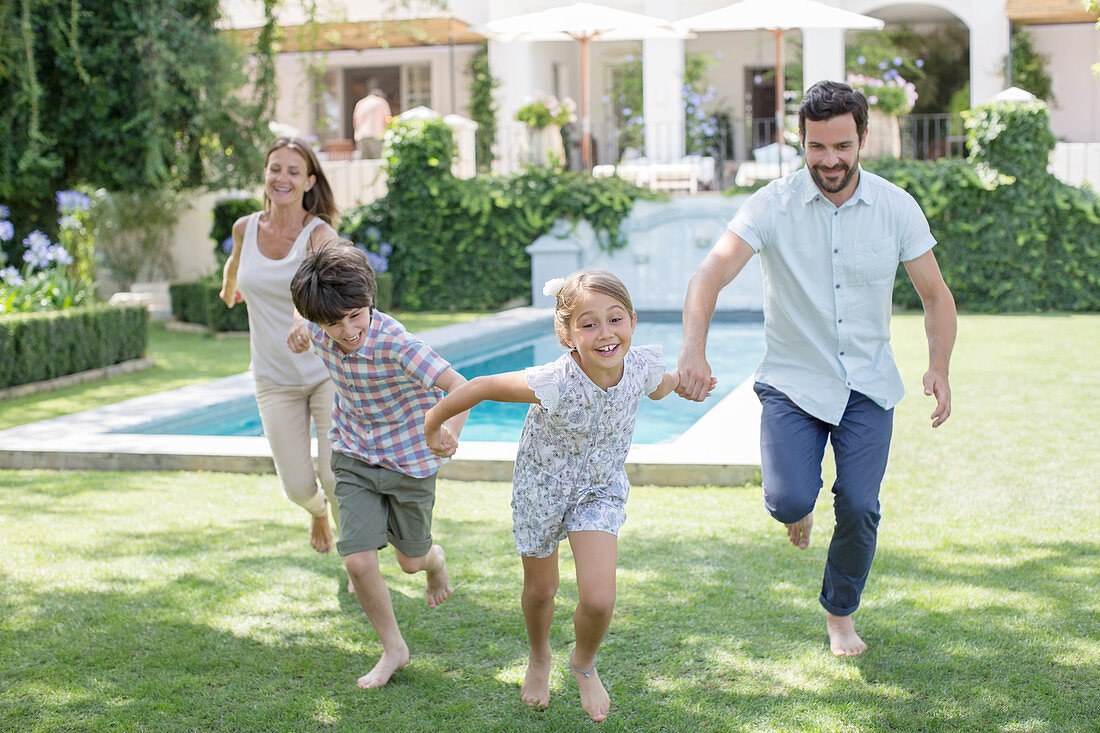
x=182, y=359
x=190, y=601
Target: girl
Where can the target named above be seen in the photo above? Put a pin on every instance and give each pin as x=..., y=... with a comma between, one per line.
x=298, y=216
x=570, y=478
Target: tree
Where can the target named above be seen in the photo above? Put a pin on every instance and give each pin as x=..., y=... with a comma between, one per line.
x=125, y=95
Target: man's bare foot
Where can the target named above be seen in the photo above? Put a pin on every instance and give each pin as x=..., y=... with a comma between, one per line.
x=594, y=698
x=843, y=639
x=799, y=532
x=439, y=586
x=536, y=684
x=388, y=663
x=320, y=534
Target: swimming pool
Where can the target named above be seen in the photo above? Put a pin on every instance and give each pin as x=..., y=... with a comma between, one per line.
x=734, y=349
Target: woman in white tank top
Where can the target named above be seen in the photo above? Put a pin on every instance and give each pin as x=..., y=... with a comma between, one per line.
x=299, y=215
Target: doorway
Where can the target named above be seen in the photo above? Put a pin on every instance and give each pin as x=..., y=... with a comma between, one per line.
x=357, y=82
x=760, y=105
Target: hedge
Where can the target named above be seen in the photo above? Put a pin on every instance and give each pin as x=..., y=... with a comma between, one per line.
x=1024, y=245
x=197, y=301
x=461, y=244
x=49, y=344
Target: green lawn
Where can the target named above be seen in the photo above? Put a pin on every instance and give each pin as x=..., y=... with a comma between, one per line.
x=191, y=601
x=182, y=359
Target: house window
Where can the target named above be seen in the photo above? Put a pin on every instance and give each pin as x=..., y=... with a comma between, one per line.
x=418, y=86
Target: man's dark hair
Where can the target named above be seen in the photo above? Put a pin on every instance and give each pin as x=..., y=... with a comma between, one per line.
x=828, y=99
x=331, y=282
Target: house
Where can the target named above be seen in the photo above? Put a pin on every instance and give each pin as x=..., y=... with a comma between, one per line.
x=417, y=51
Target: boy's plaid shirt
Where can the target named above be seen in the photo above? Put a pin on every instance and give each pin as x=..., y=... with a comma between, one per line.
x=382, y=393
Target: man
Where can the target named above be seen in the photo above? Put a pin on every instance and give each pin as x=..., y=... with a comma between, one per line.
x=830, y=237
x=370, y=117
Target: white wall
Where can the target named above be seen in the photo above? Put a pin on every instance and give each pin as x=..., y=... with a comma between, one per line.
x=1071, y=51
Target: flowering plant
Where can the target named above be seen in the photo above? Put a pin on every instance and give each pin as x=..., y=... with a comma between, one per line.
x=44, y=281
x=891, y=94
x=540, y=111
x=378, y=252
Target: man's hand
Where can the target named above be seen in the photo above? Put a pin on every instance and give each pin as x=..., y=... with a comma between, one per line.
x=936, y=384
x=696, y=381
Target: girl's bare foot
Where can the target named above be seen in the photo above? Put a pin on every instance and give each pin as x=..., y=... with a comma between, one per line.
x=387, y=664
x=536, y=684
x=439, y=586
x=594, y=698
x=320, y=534
x=843, y=639
x=799, y=532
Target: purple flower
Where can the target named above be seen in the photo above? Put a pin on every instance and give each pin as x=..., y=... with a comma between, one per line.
x=882, y=65
x=919, y=63
x=861, y=59
x=377, y=262
x=7, y=231
x=11, y=277
x=897, y=61
x=627, y=111
x=60, y=255
x=5, y=212
x=69, y=202
x=227, y=244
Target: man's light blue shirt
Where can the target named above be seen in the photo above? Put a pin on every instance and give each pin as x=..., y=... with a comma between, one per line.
x=828, y=284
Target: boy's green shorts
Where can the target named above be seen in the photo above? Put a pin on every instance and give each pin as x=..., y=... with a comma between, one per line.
x=377, y=505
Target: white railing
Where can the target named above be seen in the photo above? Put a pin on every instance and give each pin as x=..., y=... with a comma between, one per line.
x=1077, y=163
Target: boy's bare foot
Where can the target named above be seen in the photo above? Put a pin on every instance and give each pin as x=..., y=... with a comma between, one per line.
x=320, y=534
x=439, y=586
x=594, y=698
x=843, y=639
x=387, y=664
x=799, y=532
x=536, y=684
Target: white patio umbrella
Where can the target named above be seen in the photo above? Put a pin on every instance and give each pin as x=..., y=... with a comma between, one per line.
x=778, y=17
x=583, y=22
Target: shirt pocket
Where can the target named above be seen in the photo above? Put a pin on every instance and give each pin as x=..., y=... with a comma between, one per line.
x=876, y=260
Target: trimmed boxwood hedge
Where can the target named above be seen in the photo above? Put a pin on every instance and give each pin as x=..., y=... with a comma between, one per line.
x=49, y=344
x=197, y=301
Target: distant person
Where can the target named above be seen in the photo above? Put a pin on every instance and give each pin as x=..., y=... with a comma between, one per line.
x=298, y=217
x=830, y=237
x=371, y=115
x=385, y=475
x=570, y=478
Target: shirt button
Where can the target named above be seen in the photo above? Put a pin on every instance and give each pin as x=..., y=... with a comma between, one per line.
x=838, y=287
x=835, y=251
x=840, y=320
x=842, y=353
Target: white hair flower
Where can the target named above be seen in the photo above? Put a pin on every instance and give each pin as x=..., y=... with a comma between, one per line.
x=553, y=286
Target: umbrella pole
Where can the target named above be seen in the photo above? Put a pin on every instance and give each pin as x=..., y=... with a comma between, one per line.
x=586, y=126
x=780, y=88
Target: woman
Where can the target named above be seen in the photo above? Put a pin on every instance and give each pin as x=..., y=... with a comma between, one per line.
x=299, y=215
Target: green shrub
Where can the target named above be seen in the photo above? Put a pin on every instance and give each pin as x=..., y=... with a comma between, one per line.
x=197, y=301
x=49, y=344
x=461, y=244
x=1028, y=245
x=226, y=212
x=1012, y=138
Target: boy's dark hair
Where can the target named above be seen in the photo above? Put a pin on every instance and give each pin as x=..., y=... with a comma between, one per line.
x=332, y=281
x=828, y=99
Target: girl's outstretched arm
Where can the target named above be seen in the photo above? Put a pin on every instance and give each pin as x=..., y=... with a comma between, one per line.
x=506, y=387
x=671, y=381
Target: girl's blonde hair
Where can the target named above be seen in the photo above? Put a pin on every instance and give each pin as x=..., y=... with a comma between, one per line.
x=600, y=281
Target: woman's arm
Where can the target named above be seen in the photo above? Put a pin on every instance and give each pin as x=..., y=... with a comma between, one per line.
x=229, y=294
x=438, y=421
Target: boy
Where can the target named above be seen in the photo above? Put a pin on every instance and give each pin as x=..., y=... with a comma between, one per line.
x=385, y=476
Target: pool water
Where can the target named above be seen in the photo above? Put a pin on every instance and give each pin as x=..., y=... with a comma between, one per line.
x=733, y=350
